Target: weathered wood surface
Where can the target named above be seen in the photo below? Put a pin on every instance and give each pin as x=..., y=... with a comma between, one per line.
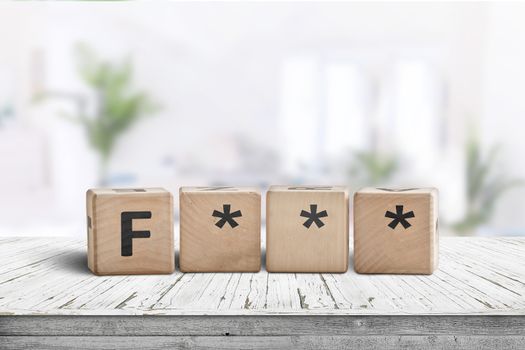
x=270, y=343
x=476, y=276
x=50, y=300
x=263, y=325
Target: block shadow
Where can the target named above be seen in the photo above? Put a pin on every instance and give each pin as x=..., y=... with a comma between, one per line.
x=75, y=262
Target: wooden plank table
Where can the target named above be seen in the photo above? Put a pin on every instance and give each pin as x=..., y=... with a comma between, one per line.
x=476, y=300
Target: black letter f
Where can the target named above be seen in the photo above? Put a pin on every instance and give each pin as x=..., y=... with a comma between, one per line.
x=127, y=233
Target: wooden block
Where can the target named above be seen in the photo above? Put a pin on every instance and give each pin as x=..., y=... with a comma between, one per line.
x=130, y=231
x=307, y=229
x=220, y=229
x=396, y=231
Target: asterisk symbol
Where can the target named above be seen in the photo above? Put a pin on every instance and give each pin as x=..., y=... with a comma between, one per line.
x=313, y=216
x=226, y=216
x=399, y=217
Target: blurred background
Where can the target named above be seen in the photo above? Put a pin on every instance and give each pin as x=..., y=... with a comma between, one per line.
x=169, y=94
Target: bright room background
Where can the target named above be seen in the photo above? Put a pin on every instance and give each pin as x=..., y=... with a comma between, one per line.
x=168, y=94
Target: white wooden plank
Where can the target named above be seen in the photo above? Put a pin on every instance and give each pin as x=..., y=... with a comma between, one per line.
x=250, y=293
x=476, y=276
x=282, y=293
x=314, y=291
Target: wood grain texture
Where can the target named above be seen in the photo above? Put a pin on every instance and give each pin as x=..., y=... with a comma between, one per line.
x=49, y=276
x=50, y=300
x=147, y=255
x=395, y=231
x=210, y=242
x=262, y=325
x=297, y=332
x=295, y=242
x=269, y=342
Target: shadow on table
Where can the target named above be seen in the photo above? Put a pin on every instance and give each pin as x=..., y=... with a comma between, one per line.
x=76, y=262
x=263, y=260
x=351, y=261
x=177, y=259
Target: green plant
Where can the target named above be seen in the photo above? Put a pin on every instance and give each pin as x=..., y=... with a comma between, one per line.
x=118, y=105
x=486, y=184
x=372, y=167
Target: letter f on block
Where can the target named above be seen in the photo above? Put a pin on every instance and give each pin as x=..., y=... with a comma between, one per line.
x=126, y=229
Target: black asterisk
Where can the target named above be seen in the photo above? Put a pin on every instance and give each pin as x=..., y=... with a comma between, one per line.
x=399, y=217
x=226, y=216
x=313, y=216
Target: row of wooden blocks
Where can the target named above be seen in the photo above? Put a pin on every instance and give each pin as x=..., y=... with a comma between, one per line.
x=130, y=231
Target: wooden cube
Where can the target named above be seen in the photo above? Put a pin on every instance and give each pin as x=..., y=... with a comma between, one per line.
x=396, y=230
x=220, y=229
x=130, y=231
x=307, y=229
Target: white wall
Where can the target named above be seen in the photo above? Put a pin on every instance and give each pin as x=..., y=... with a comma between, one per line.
x=216, y=69
x=503, y=103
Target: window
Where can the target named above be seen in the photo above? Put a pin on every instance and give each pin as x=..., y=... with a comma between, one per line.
x=330, y=109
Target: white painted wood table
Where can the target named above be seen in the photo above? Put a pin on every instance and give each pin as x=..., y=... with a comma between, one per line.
x=49, y=299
